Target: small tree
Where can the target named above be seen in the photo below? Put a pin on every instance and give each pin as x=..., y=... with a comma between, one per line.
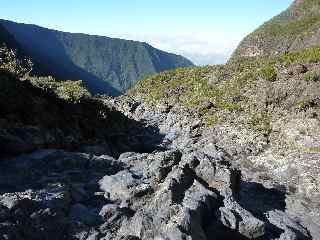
x=72, y=91
x=268, y=72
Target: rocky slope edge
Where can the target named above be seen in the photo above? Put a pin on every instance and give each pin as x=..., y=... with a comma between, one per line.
x=262, y=112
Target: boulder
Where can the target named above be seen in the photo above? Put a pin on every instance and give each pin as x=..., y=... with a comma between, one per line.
x=122, y=185
x=233, y=216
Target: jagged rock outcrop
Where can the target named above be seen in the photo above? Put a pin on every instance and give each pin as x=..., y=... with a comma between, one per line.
x=163, y=195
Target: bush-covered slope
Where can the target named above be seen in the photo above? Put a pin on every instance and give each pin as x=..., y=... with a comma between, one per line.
x=258, y=97
x=105, y=65
x=294, y=29
x=7, y=39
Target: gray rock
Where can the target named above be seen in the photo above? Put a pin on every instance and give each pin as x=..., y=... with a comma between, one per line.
x=108, y=211
x=48, y=224
x=54, y=197
x=129, y=237
x=106, y=164
x=121, y=185
x=9, y=200
x=292, y=229
x=126, y=155
x=233, y=216
x=229, y=218
x=167, y=194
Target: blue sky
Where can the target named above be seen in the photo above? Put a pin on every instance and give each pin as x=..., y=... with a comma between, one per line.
x=207, y=31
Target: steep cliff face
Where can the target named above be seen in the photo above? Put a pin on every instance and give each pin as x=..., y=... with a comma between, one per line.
x=294, y=29
x=7, y=38
x=106, y=65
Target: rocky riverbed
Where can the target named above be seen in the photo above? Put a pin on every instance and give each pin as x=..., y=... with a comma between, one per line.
x=185, y=187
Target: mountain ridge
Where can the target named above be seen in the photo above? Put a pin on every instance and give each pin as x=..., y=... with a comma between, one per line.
x=106, y=65
x=293, y=29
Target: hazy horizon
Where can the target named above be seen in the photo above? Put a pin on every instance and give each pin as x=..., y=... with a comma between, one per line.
x=205, y=31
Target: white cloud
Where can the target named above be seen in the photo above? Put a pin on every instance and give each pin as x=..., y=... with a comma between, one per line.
x=207, y=58
x=202, y=48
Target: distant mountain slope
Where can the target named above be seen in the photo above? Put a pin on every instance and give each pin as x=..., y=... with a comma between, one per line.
x=106, y=65
x=7, y=39
x=296, y=28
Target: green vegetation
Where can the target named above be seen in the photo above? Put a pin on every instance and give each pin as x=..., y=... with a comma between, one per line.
x=312, y=76
x=72, y=91
x=260, y=122
x=268, y=72
x=211, y=120
x=309, y=5
x=308, y=55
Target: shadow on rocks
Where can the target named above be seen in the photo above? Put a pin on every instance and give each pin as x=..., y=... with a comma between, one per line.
x=259, y=200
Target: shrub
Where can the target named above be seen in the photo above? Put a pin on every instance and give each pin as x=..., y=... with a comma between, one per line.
x=212, y=119
x=312, y=76
x=260, y=122
x=72, y=91
x=45, y=83
x=268, y=72
x=68, y=90
x=9, y=61
x=230, y=106
x=313, y=150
